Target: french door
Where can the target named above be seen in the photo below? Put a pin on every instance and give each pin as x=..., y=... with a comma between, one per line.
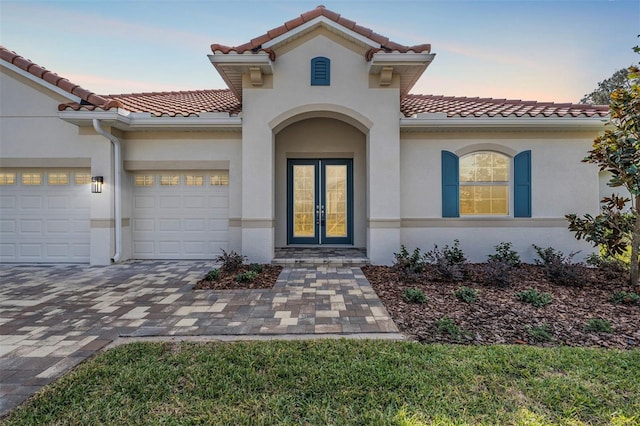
x=320, y=201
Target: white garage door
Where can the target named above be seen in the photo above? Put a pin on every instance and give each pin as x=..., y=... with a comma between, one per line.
x=45, y=215
x=180, y=215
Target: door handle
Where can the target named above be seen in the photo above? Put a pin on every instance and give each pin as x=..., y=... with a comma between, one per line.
x=322, y=215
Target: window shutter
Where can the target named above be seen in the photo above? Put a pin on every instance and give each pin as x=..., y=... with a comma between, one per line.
x=450, y=185
x=522, y=184
x=320, y=71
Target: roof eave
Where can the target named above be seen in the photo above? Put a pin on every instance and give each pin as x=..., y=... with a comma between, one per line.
x=438, y=122
x=231, y=66
x=128, y=121
x=409, y=65
x=41, y=82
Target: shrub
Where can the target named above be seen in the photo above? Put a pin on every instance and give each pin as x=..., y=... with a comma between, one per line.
x=409, y=266
x=610, y=266
x=246, y=277
x=450, y=262
x=598, y=325
x=256, y=267
x=497, y=272
x=466, y=294
x=624, y=298
x=414, y=295
x=534, y=298
x=540, y=333
x=448, y=326
x=559, y=268
x=213, y=275
x=504, y=253
x=231, y=261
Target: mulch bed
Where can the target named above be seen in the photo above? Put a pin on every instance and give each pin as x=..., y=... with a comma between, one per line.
x=498, y=317
x=227, y=281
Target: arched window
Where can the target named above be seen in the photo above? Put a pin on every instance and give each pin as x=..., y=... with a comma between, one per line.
x=320, y=71
x=484, y=184
x=478, y=184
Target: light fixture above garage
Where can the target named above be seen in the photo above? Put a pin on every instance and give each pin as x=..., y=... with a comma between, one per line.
x=96, y=184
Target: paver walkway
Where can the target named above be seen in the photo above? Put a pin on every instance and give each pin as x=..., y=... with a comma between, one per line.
x=52, y=317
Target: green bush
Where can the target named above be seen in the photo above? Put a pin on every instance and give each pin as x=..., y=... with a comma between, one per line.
x=450, y=262
x=414, y=295
x=466, y=294
x=598, y=325
x=448, y=326
x=540, y=333
x=256, y=267
x=624, y=298
x=533, y=297
x=246, y=277
x=497, y=273
x=231, y=261
x=213, y=275
x=611, y=267
x=504, y=253
x=409, y=266
x=559, y=268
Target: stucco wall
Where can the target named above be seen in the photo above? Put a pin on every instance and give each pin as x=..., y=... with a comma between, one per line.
x=561, y=184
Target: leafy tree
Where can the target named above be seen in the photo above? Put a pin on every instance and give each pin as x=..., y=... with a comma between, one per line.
x=601, y=96
x=617, y=151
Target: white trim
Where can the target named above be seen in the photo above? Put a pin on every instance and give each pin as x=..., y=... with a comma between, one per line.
x=590, y=123
x=318, y=21
x=398, y=58
x=126, y=120
x=40, y=81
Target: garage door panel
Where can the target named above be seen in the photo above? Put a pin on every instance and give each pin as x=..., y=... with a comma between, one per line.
x=8, y=202
x=45, y=223
x=8, y=227
x=179, y=221
x=170, y=202
x=58, y=226
x=199, y=225
x=194, y=202
x=31, y=226
x=58, y=203
x=143, y=225
x=31, y=202
x=169, y=225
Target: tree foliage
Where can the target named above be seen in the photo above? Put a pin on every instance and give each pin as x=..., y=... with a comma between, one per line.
x=601, y=95
x=617, y=151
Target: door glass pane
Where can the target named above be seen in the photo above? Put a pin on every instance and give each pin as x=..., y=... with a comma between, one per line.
x=304, y=201
x=336, y=200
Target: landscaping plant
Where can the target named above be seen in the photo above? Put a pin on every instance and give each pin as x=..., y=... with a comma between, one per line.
x=624, y=298
x=504, y=253
x=466, y=294
x=414, y=295
x=533, y=297
x=617, y=152
x=230, y=261
x=450, y=263
x=560, y=268
x=598, y=325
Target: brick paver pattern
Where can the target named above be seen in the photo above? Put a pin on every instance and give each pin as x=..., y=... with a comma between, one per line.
x=52, y=317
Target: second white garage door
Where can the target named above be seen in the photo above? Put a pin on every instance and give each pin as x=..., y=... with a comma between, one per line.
x=179, y=215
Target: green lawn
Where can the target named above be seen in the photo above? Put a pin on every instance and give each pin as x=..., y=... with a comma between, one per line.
x=343, y=382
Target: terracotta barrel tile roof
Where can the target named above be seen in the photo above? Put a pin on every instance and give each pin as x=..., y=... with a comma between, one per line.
x=170, y=104
x=488, y=107
x=255, y=45
x=51, y=77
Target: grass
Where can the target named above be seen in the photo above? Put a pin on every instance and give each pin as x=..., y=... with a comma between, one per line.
x=342, y=382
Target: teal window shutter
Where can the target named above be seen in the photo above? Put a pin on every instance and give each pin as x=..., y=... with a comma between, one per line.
x=320, y=71
x=522, y=184
x=450, y=185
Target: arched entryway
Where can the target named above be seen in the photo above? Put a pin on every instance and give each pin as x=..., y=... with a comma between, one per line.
x=320, y=183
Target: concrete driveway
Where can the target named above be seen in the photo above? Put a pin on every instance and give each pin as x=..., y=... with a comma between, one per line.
x=52, y=317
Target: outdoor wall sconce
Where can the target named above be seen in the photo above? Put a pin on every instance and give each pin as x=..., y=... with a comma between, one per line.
x=96, y=184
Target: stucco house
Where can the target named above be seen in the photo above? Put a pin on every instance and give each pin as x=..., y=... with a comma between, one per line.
x=317, y=141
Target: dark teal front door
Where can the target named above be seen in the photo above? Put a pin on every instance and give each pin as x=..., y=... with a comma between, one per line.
x=320, y=201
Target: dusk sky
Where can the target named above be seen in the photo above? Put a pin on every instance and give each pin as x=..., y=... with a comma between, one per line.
x=554, y=50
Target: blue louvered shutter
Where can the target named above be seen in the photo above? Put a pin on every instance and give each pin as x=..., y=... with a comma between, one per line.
x=522, y=184
x=320, y=71
x=450, y=185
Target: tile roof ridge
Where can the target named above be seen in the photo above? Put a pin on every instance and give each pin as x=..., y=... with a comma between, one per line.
x=255, y=45
x=52, y=78
x=170, y=92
